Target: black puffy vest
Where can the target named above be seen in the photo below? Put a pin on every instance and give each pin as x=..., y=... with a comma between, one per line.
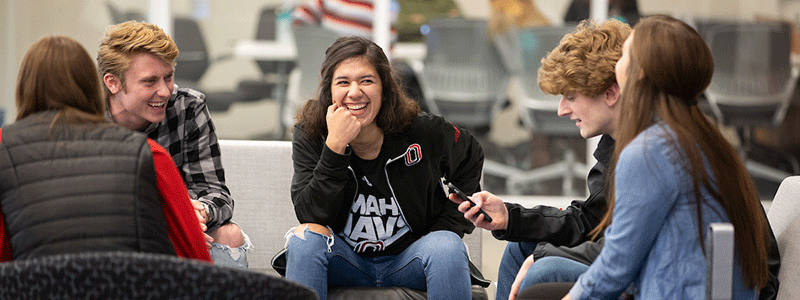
x=90, y=189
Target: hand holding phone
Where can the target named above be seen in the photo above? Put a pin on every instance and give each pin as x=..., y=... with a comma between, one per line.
x=460, y=194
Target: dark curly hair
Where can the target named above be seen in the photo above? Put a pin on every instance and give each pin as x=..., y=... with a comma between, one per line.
x=397, y=109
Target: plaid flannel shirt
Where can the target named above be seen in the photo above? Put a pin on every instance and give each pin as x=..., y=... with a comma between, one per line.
x=188, y=135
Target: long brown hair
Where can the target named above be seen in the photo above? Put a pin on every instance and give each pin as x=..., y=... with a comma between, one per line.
x=58, y=74
x=397, y=109
x=670, y=65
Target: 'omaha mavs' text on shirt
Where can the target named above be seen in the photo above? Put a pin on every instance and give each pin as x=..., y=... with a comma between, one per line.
x=374, y=224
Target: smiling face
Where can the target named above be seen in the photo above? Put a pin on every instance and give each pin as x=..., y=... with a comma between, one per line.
x=143, y=97
x=357, y=86
x=593, y=116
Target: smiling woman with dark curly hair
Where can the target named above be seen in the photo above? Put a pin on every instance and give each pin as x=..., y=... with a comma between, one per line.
x=367, y=186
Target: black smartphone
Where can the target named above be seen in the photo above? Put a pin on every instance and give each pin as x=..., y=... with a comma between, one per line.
x=460, y=194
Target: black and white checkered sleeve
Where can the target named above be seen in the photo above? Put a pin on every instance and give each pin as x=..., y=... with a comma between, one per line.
x=202, y=168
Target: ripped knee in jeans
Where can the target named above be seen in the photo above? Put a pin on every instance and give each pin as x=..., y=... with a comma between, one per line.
x=225, y=255
x=300, y=232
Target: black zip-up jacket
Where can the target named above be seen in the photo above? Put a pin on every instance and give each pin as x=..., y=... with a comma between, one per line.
x=430, y=148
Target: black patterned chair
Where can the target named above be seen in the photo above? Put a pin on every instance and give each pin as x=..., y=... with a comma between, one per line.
x=132, y=275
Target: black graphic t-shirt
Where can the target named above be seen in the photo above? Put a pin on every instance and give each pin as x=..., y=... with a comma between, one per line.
x=376, y=225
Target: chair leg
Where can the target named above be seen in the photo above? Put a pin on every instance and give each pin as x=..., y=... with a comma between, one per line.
x=566, y=186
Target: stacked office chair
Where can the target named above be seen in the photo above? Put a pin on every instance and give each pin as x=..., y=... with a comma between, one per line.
x=311, y=43
x=464, y=79
x=753, y=83
x=193, y=62
x=523, y=50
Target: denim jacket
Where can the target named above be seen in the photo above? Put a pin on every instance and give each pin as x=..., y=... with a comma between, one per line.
x=653, y=242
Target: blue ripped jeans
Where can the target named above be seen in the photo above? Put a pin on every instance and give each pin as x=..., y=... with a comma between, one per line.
x=223, y=255
x=437, y=262
x=546, y=269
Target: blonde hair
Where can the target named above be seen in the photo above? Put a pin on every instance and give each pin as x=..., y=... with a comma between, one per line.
x=584, y=61
x=123, y=40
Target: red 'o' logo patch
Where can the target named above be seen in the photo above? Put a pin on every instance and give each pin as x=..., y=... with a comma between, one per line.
x=413, y=154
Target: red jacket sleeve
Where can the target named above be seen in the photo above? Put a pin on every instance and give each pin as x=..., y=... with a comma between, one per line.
x=184, y=228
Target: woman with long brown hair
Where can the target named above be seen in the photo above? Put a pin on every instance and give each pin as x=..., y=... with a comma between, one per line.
x=675, y=174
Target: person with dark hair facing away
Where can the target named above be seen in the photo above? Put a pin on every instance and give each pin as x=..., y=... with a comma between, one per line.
x=367, y=187
x=71, y=181
x=674, y=174
x=137, y=64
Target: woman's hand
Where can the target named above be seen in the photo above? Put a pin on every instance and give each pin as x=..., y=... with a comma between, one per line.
x=342, y=128
x=491, y=204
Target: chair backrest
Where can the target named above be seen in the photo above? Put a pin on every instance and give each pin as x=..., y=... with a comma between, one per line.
x=266, y=32
x=464, y=78
x=193, y=60
x=266, y=24
x=753, y=78
x=259, y=175
x=784, y=218
x=539, y=111
x=132, y=275
x=719, y=248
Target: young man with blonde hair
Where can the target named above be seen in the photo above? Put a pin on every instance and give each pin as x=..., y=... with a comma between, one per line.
x=137, y=63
